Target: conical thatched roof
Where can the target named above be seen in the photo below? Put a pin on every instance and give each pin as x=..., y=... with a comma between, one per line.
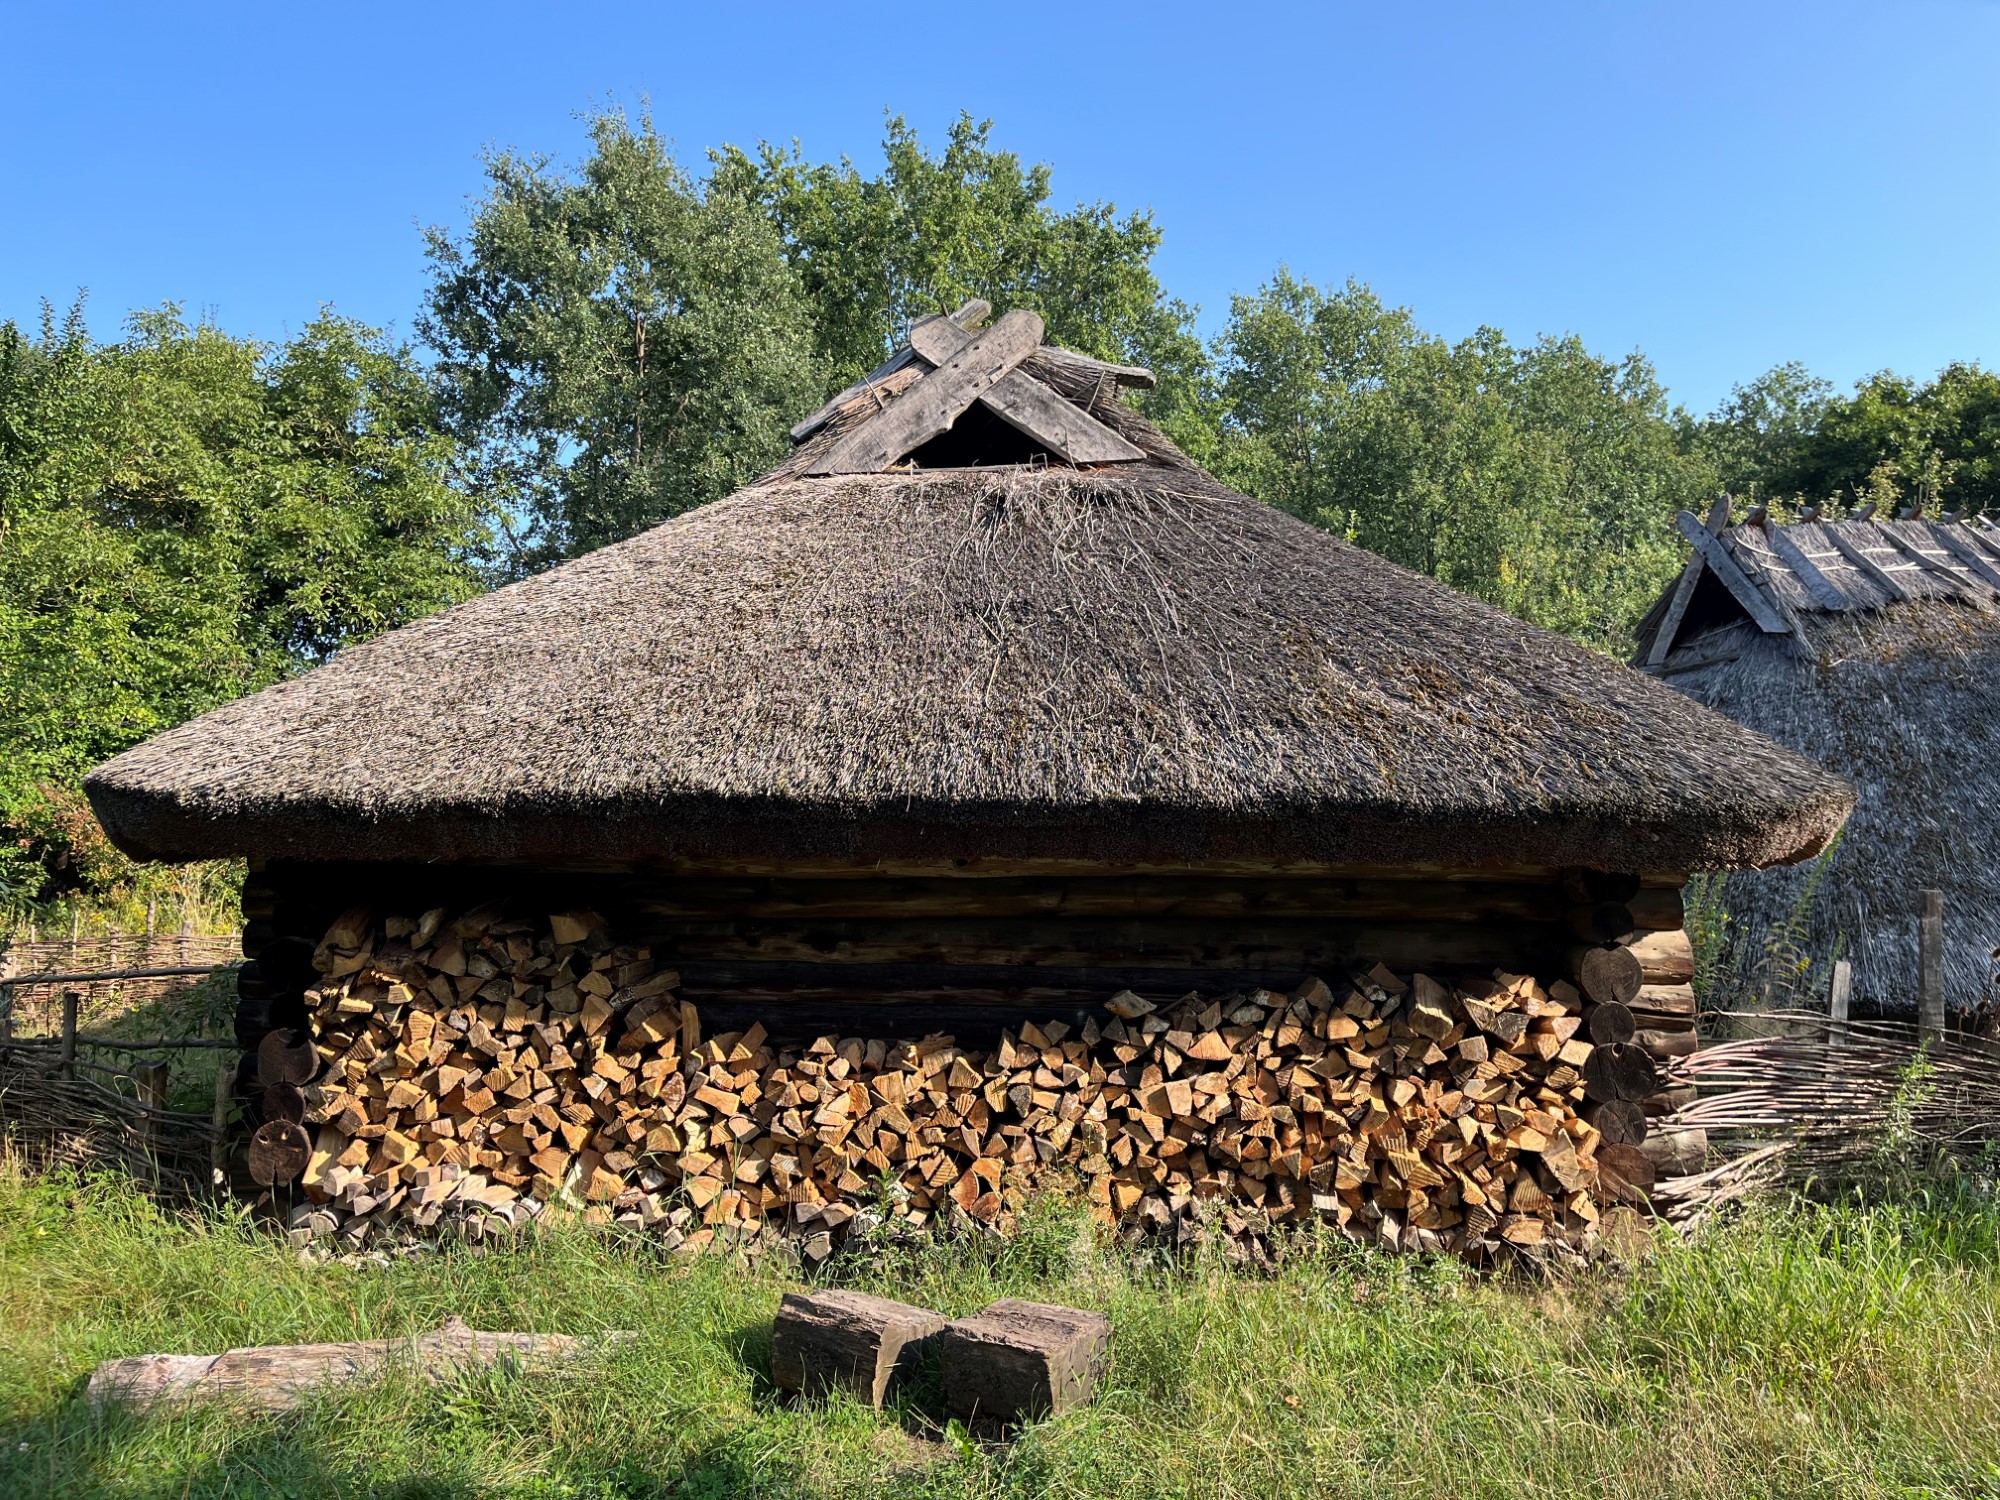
x=1112, y=660
x=1886, y=670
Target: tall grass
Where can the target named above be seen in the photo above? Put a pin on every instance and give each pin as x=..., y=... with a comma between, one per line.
x=1809, y=1350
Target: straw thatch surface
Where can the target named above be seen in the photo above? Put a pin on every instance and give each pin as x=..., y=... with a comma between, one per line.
x=1131, y=663
x=1904, y=701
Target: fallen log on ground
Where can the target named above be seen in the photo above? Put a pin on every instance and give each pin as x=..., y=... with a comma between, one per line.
x=279, y=1377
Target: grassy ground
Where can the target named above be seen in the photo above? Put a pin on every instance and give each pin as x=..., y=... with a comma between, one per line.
x=1813, y=1352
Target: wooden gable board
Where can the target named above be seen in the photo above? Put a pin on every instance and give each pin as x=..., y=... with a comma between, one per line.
x=930, y=406
x=1025, y=403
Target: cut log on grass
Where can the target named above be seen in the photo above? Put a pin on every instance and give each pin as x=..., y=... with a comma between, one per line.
x=1014, y=1361
x=849, y=1341
x=279, y=1377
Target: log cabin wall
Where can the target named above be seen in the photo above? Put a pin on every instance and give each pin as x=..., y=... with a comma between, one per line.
x=911, y=952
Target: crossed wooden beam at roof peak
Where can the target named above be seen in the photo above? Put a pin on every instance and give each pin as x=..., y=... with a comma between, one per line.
x=966, y=364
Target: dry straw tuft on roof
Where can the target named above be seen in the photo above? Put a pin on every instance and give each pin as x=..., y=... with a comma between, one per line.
x=1120, y=663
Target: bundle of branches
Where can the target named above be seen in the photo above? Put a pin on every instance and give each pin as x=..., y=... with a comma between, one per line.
x=1825, y=1100
x=491, y=1068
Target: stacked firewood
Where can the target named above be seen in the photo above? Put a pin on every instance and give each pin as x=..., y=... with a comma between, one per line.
x=482, y=1067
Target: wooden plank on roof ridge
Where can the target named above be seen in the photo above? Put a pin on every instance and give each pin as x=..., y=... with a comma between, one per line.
x=1746, y=549
x=1985, y=534
x=1958, y=579
x=1024, y=403
x=1715, y=552
x=1824, y=592
x=1670, y=623
x=970, y=315
x=1865, y=565
x=1968, y=552
x=1136, y=376
x=930, y=406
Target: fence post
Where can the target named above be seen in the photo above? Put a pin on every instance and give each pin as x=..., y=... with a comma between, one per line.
x=66, y=1059
x=1838, y=999
x=150, y=1079
x=218, y=1150
x=1930, y=966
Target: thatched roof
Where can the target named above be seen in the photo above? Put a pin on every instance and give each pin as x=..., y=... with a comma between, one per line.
x=1889, y=675
x=1120, y=661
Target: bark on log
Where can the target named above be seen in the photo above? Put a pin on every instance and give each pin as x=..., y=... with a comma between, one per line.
x=1664, y=957
x=280, y=1377
x=1677, y=1153
x=846, y=1341
x=1666, y=1044
x=1016, y=1360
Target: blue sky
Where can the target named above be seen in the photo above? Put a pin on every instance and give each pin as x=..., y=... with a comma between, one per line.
x=1722, y=186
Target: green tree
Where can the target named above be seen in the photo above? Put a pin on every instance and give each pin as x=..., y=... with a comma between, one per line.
x=1786, y=437
x=1493, y=468
x=185, y=516
x=1757, y=439
x=932, y=230
x=616, y=344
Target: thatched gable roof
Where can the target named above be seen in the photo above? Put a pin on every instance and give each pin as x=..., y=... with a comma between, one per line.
x=1117, y=662
x=1775, y=576
x=1887, y=672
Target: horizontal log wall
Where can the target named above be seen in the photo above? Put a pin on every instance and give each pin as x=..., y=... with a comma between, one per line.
x=970, y=954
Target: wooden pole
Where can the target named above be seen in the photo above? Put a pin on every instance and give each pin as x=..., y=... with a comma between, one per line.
x=151, y=1082
x=218, y=1150
x=1930, y=979
x=1837, y=1001
x=66, y=1059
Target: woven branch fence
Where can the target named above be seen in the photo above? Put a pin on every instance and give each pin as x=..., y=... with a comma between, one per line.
x=60, y=1105
x=1817, y=1099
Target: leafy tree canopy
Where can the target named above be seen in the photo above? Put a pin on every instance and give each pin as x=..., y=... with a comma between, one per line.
x=931, y=231
x=185, y=516
x=1492, y=467
x=1788, y=437
x=615, y=344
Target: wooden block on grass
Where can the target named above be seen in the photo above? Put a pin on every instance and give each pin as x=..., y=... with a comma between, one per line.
x=846, y=1340
x=1015, y=1360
